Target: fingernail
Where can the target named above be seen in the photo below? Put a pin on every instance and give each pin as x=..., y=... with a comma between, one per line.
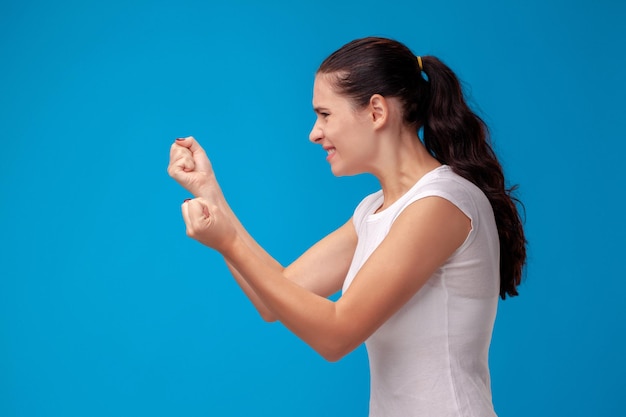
x=186, y=200
x=180, y=139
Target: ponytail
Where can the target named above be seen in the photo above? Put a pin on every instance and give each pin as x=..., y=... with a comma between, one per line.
x=459, y=138
x=433, y=99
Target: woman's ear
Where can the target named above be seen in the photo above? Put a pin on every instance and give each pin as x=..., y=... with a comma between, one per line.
x=379, y=110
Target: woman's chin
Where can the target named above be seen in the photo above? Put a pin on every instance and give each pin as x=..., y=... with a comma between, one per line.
x=343, y=171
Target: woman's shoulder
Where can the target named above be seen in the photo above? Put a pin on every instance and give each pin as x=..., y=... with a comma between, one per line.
x=443, y=182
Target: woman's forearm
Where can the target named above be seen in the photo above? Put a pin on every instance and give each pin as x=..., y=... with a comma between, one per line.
x=311, y=317
x=215, y=194
x=258, y=251
x=265, y=313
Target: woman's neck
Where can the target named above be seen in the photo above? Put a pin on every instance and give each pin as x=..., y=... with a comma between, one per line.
x=403, y=162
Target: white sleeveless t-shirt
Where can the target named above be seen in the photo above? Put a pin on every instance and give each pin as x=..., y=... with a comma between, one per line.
x=430, y=359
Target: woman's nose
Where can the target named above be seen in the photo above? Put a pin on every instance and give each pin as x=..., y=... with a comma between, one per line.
x=316, y=134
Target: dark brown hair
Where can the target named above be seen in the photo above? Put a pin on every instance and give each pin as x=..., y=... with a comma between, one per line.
x=433, y=99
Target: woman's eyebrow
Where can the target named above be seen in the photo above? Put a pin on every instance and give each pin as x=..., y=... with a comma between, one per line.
x=319, y=109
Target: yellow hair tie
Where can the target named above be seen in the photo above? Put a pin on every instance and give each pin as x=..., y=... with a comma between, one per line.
x=419, y=62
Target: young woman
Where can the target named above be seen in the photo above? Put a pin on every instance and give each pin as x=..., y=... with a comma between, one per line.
x=422, y=261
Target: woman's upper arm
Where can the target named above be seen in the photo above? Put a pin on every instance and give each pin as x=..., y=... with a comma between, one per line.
x=323, y=267
x=420, y=240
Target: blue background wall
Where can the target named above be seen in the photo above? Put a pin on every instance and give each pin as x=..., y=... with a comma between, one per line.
x=106, y=308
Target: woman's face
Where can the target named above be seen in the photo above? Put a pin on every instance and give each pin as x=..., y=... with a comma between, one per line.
x=342, y=130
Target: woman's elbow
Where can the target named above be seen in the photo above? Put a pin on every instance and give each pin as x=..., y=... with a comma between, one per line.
x=332, y=356
x=336, y=351
x=268, y=316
